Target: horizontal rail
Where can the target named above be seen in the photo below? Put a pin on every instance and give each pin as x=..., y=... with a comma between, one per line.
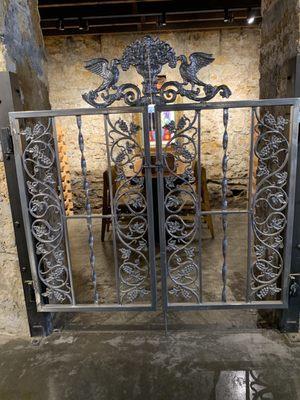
x=72, y=112
x=171, y=306
x=94, y=307
x=169, y=107
x=222, y=212
x=221, y=305
x=93, y=216
x=230, y=104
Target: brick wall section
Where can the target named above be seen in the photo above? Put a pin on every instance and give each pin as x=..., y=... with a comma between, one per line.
x=236, y=65
x=21, y=52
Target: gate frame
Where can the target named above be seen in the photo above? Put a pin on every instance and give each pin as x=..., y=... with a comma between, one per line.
x=227, y=104
x=293, y=166
x=14, y=117
x=40, y=324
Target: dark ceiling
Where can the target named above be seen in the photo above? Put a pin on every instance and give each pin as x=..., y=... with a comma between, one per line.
x=69, y=17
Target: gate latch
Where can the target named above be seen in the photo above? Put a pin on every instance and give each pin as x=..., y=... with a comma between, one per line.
x=294, y=285
x=151, y=108
x=7, y=143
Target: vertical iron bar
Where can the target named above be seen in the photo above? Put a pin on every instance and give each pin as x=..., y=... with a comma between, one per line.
x=86, y=188
x=112, y=211
x=292, y=169
x=248, y=385
x=63, y=210
x=149, y=197
x=250, y=208
x=199, y=194
x=161, y=210
x=224, y=203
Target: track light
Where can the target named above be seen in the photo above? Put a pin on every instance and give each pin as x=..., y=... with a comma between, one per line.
x=162, y=20
x=83, y=25
x=226, y=15
x=250, y=16
x=61, y=25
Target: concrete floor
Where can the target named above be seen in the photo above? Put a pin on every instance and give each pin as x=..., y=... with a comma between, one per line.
x=212, y=283
x=147, y=365
x=206, y=355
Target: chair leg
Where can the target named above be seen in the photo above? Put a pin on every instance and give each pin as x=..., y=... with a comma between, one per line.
x=103, y=227
x=104, y=205
x=206, y=203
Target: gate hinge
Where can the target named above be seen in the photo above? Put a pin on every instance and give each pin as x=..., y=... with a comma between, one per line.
x=30, y=290
x=7, y=143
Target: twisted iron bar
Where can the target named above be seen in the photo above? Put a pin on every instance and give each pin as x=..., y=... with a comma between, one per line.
x=86, y=188
x=224, y=203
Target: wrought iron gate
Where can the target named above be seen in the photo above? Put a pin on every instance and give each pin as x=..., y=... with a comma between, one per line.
x=156, y=211
x=269, y=211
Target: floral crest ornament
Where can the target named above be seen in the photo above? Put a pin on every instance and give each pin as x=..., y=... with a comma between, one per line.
x=148, y=55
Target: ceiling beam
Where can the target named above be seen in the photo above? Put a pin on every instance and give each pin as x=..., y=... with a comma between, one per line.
x=136, y=20
x=141, y=15
x=72, y=3
x=121, y=9
x=115, y=29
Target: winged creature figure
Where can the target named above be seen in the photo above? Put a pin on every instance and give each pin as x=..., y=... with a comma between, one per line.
x=189, y=70
x=108, y=72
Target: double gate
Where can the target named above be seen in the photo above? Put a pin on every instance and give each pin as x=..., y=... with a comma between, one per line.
x=156, y=193
x=156, y=212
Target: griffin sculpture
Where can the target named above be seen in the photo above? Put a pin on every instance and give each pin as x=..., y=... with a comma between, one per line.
x=189, y=70
x=108, y=72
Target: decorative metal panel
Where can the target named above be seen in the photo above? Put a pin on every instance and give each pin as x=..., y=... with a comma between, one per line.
x=46, y=214
x=267, y=211
x=148, y=55
x=182, y=205
x=270, y=205
x=130, y=215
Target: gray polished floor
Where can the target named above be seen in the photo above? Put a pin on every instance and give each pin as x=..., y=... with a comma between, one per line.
x=198, y=365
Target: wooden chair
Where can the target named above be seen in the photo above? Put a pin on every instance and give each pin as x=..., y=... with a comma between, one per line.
x=106, y=203
x=205, y=203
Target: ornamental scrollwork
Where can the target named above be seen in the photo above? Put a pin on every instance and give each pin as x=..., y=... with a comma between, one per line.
x=148, y=55
x=130, y=211
x=270, y=205
x=181, y=208
x=45, y=210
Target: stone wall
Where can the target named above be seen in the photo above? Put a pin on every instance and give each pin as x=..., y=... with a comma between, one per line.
x=21, y=52
x=236, y=54
x=280, y=33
